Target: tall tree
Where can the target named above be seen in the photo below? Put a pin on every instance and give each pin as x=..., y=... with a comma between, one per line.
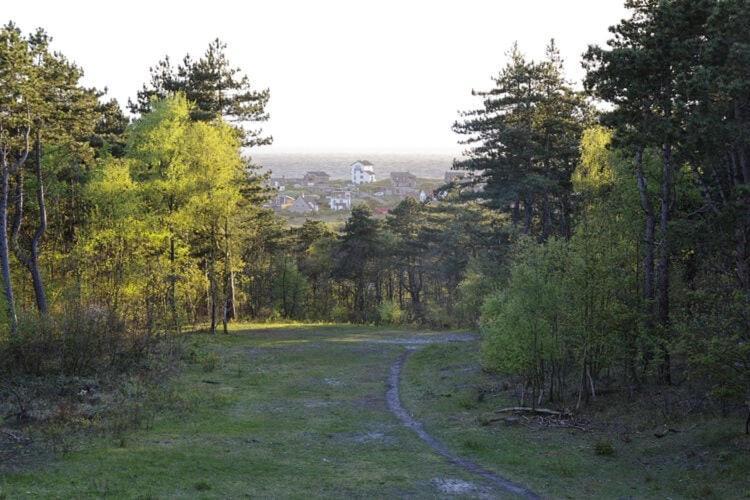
x=644, y=73
x=63, y=113
x=523, y=142
x=406, y=221
x=355, y=258
x=218, y=90
x=17, y=90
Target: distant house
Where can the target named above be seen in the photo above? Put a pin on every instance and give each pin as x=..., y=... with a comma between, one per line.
x=303, y=206
x=381, y=210
x=362, y=172
x=316, y=178
x=340, y=200
x=403, y=180
x=423, y=197
x=281, y=202
x=277, y=183
x=455, y=175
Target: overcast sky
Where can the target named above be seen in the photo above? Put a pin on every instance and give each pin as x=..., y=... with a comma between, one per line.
x=345, y=76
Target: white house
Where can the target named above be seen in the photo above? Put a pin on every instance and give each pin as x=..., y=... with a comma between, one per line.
x=341, y=200
x=362, y=172
x=303, y=206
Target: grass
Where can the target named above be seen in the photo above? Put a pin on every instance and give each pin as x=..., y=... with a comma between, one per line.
x=299, y=411
x=708, y=459
x=282, y=412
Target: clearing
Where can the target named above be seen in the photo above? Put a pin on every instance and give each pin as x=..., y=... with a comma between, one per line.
x=313, y=411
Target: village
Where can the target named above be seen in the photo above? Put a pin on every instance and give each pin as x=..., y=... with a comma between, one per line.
x=317, y=195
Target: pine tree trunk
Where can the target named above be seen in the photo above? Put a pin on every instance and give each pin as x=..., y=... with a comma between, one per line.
x=648, y=239
x=663, y=263
x=516, y=212
x=227, y=302
x=173, y=286
x=232, y=296
x=528, y=206
x=36, y=275
x=565, y=217
x=546, y=218
x=742, y=246
x=212, y=281
x=4, y=253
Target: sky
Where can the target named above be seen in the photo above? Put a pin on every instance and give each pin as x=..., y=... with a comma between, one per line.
x=383, y=76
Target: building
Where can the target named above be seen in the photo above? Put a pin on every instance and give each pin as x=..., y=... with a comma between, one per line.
x=340, y=200
x=316, y=178
x=362, y=172
x=403, y=180
x=277, y=183
x=303, y=206
x=281, y=202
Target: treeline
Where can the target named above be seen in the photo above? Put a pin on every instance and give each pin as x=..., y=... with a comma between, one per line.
x=631, y=260
x=599, y=246
x=419, y=265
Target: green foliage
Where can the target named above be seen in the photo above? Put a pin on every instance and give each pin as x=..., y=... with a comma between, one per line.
x=81, y=341
x=390, y=313
x=480, y=281
x=521, y=325
x=165, y=211
x=523, y=141
x=290, y=289
x=218, y=90
x=604, y=448
x=595, y=172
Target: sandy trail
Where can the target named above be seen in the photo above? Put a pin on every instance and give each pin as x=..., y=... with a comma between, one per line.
x=397, y=408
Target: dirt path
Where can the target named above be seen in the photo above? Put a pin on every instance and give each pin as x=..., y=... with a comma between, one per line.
x=394, y=404
x=296, y=412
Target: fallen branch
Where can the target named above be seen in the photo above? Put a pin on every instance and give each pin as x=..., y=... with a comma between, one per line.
x=538, y=411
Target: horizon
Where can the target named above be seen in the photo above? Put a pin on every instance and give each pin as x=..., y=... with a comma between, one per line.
x=410, y=60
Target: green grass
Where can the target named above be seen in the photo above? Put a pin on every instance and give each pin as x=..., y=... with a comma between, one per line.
x=439, y=387
x=286, y=411
x=299, y=411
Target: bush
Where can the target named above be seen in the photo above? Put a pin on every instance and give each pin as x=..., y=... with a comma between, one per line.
x=340, y=314
x=390, y=313
x=604, y=448
x=80, y=341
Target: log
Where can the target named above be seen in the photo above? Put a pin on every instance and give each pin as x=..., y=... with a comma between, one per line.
x=528, y=409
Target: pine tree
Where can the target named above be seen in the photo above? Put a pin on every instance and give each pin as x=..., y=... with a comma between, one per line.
x=217, y=89
x=522, y=143
x=355, y=258
x=645, y=73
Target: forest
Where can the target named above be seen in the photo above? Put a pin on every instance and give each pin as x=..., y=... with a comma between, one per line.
x=600, y=244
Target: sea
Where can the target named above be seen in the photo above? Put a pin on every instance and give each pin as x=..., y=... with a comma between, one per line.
x=294, y=165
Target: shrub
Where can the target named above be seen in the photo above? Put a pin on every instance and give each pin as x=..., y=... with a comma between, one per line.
x=604, y=448
x=202, y=486
x=390, y=313
x=79, y=341
x=340, y=314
